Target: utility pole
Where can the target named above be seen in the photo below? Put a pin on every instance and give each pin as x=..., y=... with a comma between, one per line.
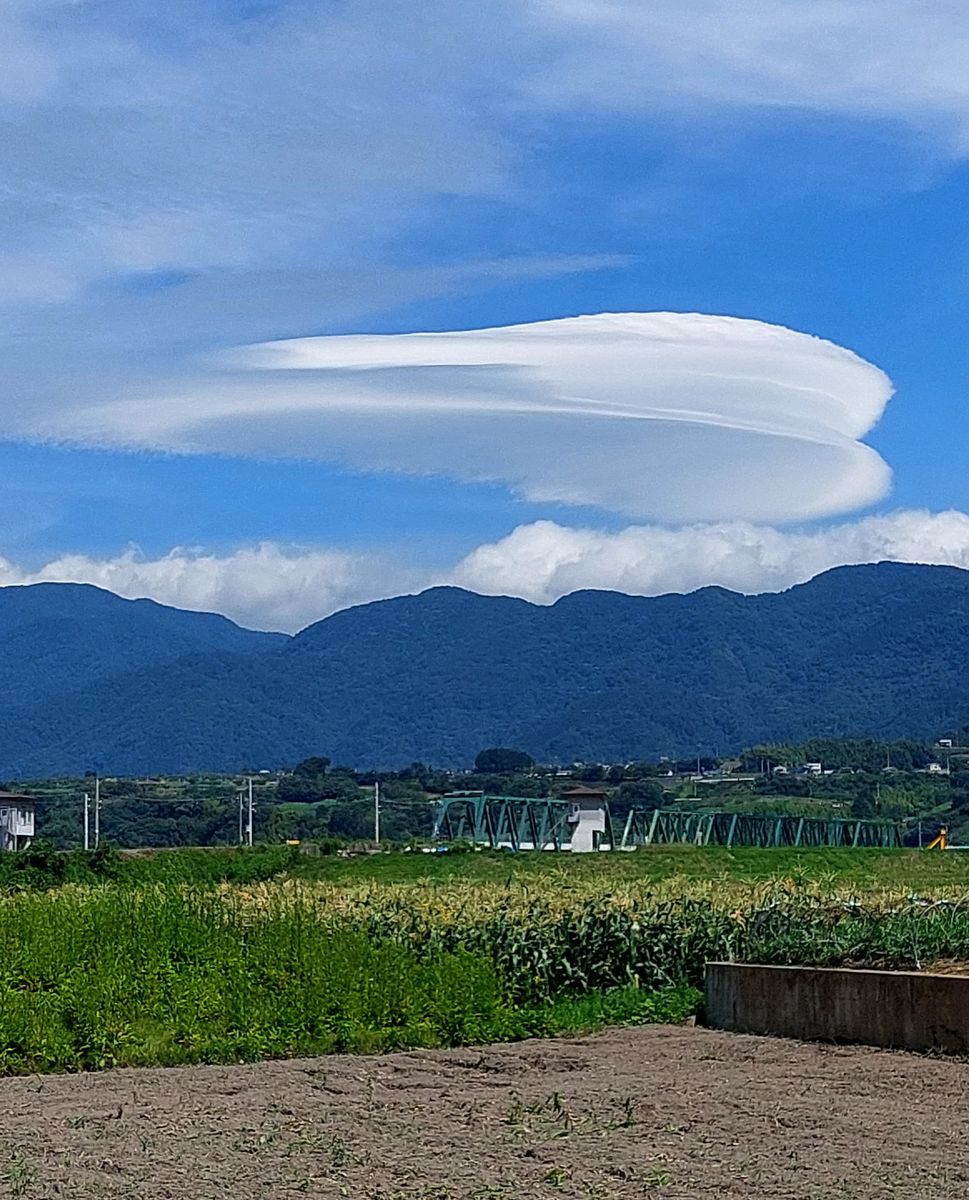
x=249, y=814
x=240, y=795
x=97, y=811
x=87, y=821
x=376, y=811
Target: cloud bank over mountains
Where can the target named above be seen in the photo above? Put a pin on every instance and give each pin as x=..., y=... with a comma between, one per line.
x=544, y=560
x=263, y=587
x=286, y=587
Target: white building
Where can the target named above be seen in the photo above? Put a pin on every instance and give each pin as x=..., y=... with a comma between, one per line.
x=16, y=821
x=587, y=817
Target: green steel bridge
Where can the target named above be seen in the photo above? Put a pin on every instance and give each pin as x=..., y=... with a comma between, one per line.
x=508, y=822
x=754, y=829
x=526, y=823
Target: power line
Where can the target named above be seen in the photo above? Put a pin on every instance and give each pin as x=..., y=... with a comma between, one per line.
x=137, y=798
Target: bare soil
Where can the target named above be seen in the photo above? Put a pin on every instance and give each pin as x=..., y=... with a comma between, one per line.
x=649, y=1112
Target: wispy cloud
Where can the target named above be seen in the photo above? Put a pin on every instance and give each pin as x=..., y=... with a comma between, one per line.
x=143, y=138
x=868, y=58
x=195, y=137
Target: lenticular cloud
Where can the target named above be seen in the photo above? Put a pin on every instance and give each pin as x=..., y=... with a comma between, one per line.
x=672, y=416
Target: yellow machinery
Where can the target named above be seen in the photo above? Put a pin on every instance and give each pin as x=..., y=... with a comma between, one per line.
x=942, y=841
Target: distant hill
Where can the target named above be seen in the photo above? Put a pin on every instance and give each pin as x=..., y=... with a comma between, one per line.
x=87, y=678
x=63, y=646
x=59, y=636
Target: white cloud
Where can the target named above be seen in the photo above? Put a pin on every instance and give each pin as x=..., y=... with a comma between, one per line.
x=262, y=587
x=663, y=415
x=287, y=587
x=876, y=58
x=544, y=560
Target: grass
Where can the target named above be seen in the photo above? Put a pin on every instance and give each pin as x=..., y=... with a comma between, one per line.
x=39, y=869
x=99, y=978
x=620, y=1006
x=268, y=954
x=835, y=867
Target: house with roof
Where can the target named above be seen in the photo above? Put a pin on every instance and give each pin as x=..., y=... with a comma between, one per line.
x=587, y=816
x=16, y=821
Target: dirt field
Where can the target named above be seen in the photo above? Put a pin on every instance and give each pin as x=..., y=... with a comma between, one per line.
x=650, y=1112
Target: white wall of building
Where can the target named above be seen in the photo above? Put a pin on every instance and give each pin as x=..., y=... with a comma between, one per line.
x=588, y=823
x=16, y=825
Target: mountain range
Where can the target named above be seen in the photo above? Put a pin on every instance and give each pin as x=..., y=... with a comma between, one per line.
x=91, y=681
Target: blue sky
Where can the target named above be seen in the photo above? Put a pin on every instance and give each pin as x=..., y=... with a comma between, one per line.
x=180, y=183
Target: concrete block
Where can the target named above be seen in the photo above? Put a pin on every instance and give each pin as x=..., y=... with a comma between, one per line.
x=910, y=1010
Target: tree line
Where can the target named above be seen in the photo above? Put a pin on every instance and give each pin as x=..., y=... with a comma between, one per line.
x=322, y=802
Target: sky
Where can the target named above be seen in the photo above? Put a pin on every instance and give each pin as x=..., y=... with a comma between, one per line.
x=307, y=304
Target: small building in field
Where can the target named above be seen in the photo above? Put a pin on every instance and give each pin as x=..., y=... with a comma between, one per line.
x=16, y=821
x=587, y=816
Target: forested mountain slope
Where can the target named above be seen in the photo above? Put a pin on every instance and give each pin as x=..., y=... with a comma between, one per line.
x=57, y=637
x=875, y=650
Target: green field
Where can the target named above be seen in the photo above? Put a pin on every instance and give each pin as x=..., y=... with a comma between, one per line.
x=835, y=866
x=200, y=956
x=911, y=870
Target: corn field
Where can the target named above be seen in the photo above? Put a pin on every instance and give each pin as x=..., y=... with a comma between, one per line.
x=92, y=977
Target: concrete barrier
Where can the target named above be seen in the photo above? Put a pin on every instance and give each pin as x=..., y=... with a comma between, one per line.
x=908, y=1010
